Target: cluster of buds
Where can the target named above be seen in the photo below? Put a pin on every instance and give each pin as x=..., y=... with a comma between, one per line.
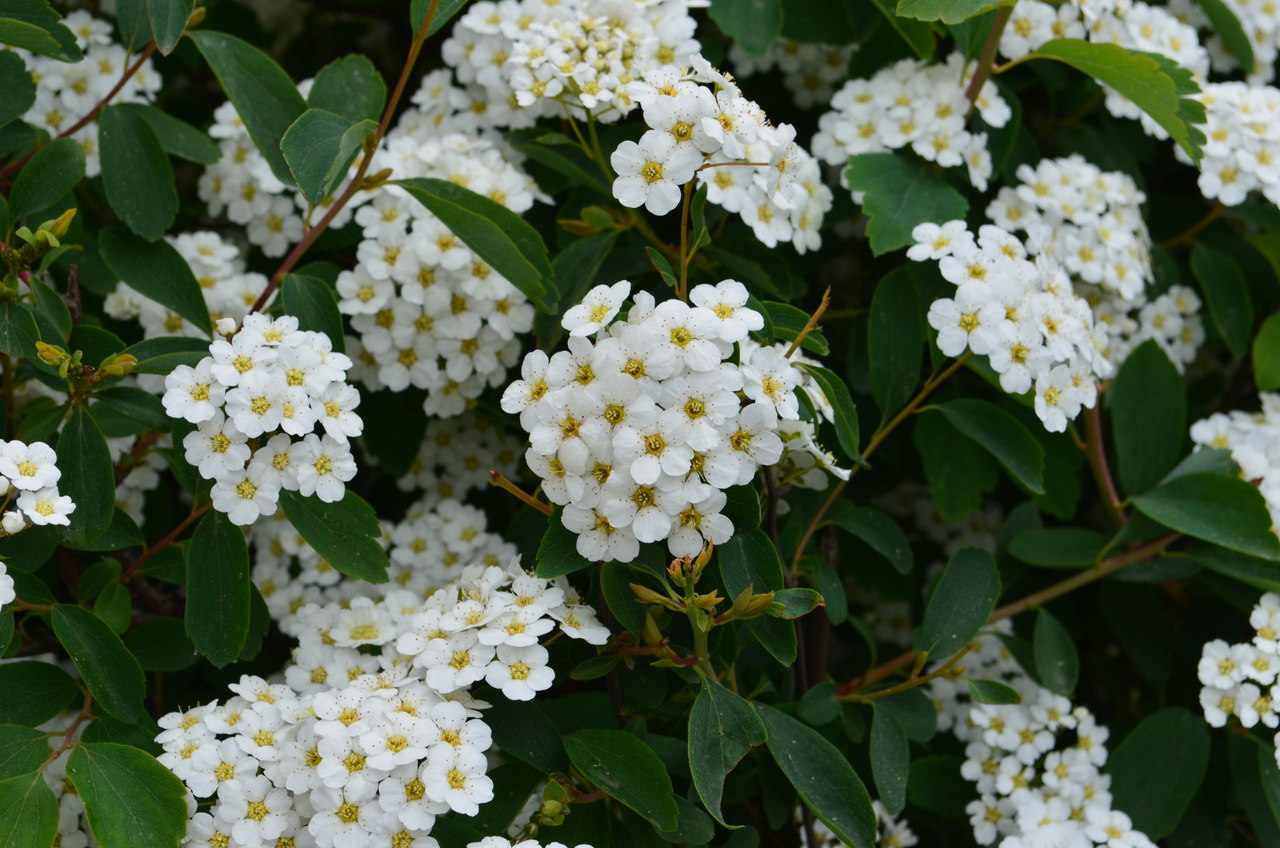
x=47, y=237
x=71, y=368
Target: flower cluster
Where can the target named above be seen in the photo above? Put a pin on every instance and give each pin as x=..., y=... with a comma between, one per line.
x=1254, y=442
x=917, y=105
x=67, y=92
x=258, y=390
x=1240, y=680
x=809, y=71
x=699, y=124
x=348, y=747
x=1021, y=314
x=29, y=488
x=638, y=434
x=1241, y=151
x=1260, y=23
x=456, y=456
x=1037, y=765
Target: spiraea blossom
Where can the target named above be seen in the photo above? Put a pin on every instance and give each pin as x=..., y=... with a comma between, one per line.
x=29, y=493
x=809, y=71
x=638, y=433
x=256, y=400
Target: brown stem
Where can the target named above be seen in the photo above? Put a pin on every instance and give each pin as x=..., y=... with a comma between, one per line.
x=1189, y=234
x=811, y=323
x=1096, y=452
x=987, y=57
x=196, y=512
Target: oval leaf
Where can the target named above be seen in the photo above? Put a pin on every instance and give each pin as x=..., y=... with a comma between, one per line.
x=112, y=674
x=136, y=173
x=28, y=812
x=130, y=800
x=1003, y=436
x=320, y=147
x=217, y=616
x=961, y=603
x=158, y=271
x=890, y=759
x=722, y=729
x=1157, y=769
x=1147, y=445
x=1215, y=507
x=313, y=302
x=88, y=476
x=345, y=533
x=1057, y=663
x=627, y=770
x=50, y=176
x=34, y=692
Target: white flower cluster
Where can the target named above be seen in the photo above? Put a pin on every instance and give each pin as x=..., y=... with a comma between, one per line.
x=66, y=92
x=638, y=434
x=29, y=488
x=1261, y=25
x=1021, y=314
x=701, y=125
x=917, y=105
x=348, y=747
x=1037, y=765
x=1254, y=441
x=1240, y=680
x=456, y=455
x=809, y=71
x=1242, y=147
x=256, y=391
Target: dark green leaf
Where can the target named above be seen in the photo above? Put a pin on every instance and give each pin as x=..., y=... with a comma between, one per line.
x=819, y=706
x=22, y=750
x=722, y=729
x=112, y=674
x=917, y=34
x=880, y=532
x=841, y=401
x=1058, y=547
x=754, y=24
x=595, y=667
x=947, y=11
x=1057, y=664
x=914, y=711
x=992, y=692
x=88, y=477
x=1227, y=294
x=935, y=785
x=615, y=581
x=18, y=330
x=558, y=552
x=33, y=25
x=1147, y=445
x=320, y=147
x=161, y=644
x=49, y=305
x=899, y=194
x=351, y=87
x=444, y=12
x=961, y=602
x=1228, y=28
x=313, y=302
x=130, y=800
x=750, y=559
x=958, y=471
x=1157, y=769
x=34, y=692
x=345, y=533
x=217, y=617
x=1266, y=355
x=50, y=176
x=890, y=759
x=263, y=94
x=140, y=405
x=822, y=776
x=178, y=138
x=18, y=86
x=158, y=271
x=627, y=770
x=794, y=603
x=164, y=353
x=114, y=606
x=895, y=340
x=168, y=21
x=1217, y=508
x=1003, y=436
x=500, y=237
x=28, y=807
x=788, y=321
x=523, y=730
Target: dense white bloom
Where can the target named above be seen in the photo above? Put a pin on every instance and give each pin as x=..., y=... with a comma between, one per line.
x=651, y=172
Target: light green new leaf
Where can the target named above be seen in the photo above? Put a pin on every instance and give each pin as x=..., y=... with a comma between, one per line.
x=18, y=85
x=1157, y=85
x=821, y=775
x=136, y=173
x=627, y=770
x=1218, y=508
x=313, y=302
x=1017, y=451
x=345, y=533
x=351, y=87
x=168, y=21
x=50, y=176
x=156, y=270
x=112, y=673
x=320, y=147
x=217, y=616
x=500, y=237
x=1228, y=27
x=88, y=476
x=1266, y=355
x=890, y=758
x=34, y=25
x=961, y=603
x=1147, y=445
x=846, y=415
x=130, y=800
x=28, y=812
x=947, y=11
x=263, y=94
x=753, y=24
x=1157, y=769
x=177, y=137
x=899, y=194
x=1057, y=663
x=722, y=729
x=1227, y=293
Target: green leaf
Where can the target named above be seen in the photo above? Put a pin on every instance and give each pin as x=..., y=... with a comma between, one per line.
x=722, y=729
x=899, y=194
x=22, y=750
x=177, y=137
x=500, y=237
x=1227, y=294
x=917, y=34
x=1057, y=664
x=130, y=800
x=114, y=606
x=50, y=176
x=523, y=730
x=558, y=551
x=794, y=603
x=895, y=340
x=50, y=305
x=34, y=692
x=1147, y=445
x=961, y=603
x=33, y=25
x=158, y=271
x=263, y=94
x=164, y=353
x=750, y=559
x=959, y=472
x=821, y=775
x=168, y=21
x=1266, y=355
x=627, y=770
x=313, y=302
x=753, y=24
x=947, y=11
x=88, y=476
x=1217, y=508
x=351, y=87
x=819, y=706
x=841, y=401
x=1228, y=27
x=914, y=711
x=445, y=10
x=161, y=644
x=1058, y=547
x=880, y=532
x=18, y=330
x=1013, y=446
x=1156, y=84
x=345, y=533
x=28, y=807
x=112, y=674
x=133, y=24
x=1157, y=769
x=992, y=692
x=19, y=88
x=890, y=759
x=140, y=405
x=788, y=321
x=320, y=147
x=217, y=617
x=615, y=583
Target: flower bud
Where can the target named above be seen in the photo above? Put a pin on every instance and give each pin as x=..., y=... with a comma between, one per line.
x=13, y=522
x=51, y=354
x=225, y=326
x=645, y=595
x=61, y=224
x=118, y=365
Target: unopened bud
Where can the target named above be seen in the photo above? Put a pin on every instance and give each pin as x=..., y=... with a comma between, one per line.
x=598, y=218
x=13, y=522
x=649, y=632
x=710, y=600
x=61, y=224
x=758, y=605
x=196, y=17
x=51, y=354
x=118, y=365
x=225, y=326
x=645, y=595
x=551, y=809
x=741, y=602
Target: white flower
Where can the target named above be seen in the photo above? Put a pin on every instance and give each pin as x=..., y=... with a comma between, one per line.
x=322, y=466
x=46, y=506
x=29, y=467
x=7, y=594
x=520, y=672
x=13, y=522
x=193, y=393
x=727, y=301
x=245, y=494
x=456, y=776
x=597, y=309
x=650, y=173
